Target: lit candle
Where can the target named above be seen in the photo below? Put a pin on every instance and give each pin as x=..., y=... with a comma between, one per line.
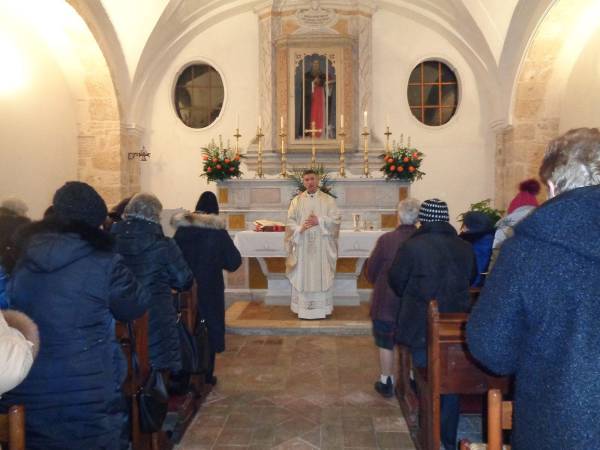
x=281, y=120
x=259, y=122
x=342, y=121
x=237, y=121
x=365, y=117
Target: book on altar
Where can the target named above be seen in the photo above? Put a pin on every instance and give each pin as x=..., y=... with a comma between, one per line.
x=268, y=225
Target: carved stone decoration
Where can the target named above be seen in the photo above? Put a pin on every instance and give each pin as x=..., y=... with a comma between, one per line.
x=316, y=18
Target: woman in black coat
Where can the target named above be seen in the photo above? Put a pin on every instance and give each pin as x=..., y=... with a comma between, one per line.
x=159, y=266
x=208, y=249
x=68, y=280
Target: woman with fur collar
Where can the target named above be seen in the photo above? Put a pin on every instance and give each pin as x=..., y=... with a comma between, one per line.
x=208, y=250
x=19, y=344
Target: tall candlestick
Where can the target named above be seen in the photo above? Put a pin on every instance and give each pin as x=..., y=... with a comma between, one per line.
x=259, y=122
x=282, y=135
x=365, y=135
x=281, y=122
x=387, y=133
x=259, y=136
x=366, y=122
x=342, y=121
x=342, y=135
x=237, y=137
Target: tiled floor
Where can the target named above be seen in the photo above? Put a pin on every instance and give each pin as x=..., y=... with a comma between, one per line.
x=297, y=392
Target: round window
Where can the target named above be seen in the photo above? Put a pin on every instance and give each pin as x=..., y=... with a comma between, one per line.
x=432, y=93
x=199, y=95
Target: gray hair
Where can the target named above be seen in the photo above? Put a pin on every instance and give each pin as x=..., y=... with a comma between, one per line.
x=143, y=206
x=408, y=211
x=573, y=160
x=15, y=205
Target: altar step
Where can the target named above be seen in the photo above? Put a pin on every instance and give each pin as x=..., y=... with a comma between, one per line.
x=256, y=318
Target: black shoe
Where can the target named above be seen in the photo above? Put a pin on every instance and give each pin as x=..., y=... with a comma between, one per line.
x=211, y=380
x=387, y=389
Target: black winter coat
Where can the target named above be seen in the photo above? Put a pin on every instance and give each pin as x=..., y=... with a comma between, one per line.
x=432, y=264
x=208, y=249
x=538, y=317
x=159, y=266
x=74, y=288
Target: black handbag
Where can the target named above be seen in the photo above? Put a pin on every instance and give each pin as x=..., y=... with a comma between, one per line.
x=190, y=360
x=202, y=345
x=152, y=397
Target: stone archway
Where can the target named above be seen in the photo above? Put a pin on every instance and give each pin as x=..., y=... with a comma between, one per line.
x=537, y=95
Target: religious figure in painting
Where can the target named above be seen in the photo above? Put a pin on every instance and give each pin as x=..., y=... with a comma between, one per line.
x=311, y=241
x=315, y=97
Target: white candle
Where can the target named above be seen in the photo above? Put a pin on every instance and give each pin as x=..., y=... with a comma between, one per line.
x=281, y=120
x=365, y=117
x=259, y=122
x=342, y=121
x=387, y=120
x=237, y=121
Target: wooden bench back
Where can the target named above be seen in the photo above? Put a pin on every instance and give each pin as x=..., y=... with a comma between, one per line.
x=12, y=428
x=450, y=365
x=499, y=418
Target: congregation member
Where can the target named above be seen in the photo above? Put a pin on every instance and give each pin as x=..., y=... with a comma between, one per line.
x=384, y=302
x=10, y=224
x=71, y=284
x=520, y=206
x=208, y=249
x=434, y=263
x=478, y=230
x=13, y=206
x=311, y=244
x=19, y=345
x=538, y=316
x=159, y=266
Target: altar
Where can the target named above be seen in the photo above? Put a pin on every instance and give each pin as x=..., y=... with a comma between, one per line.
x=262, y=275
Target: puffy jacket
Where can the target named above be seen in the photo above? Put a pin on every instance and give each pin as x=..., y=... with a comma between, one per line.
x=19, y=344
x=158, y=264
x=73, y=287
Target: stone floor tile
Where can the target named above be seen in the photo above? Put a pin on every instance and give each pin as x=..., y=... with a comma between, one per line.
x=238, y=436
x=393, y=440
x=390, y=424
x=359, y=439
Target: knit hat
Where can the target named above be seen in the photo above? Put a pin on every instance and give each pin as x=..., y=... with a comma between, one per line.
x=477, y=222
x=434, y=210
x=528, y=189
x=77, y=201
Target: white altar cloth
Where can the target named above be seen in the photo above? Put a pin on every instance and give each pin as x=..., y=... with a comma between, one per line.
x=351, y=244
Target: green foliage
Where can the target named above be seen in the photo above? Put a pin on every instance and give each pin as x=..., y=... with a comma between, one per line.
x=485, y=207
x=325, y=183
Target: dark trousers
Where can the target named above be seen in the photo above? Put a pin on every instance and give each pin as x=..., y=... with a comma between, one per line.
x=211, y=367
x=449, y=407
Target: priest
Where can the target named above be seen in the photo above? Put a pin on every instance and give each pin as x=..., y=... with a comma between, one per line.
x=311, y=242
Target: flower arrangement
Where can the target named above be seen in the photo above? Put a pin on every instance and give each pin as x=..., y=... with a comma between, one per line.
x=403, y=163
x=219, y=163
x=325, y=183
x=484, y=206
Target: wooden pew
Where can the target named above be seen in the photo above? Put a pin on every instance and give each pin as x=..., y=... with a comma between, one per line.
x=12, y=428
x=450, y=370
x=407, y=397
x=499, y=418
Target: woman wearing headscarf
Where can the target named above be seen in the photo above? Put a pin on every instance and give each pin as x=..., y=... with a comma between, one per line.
x=208, y=249
x=159, y=266
x=70, y=283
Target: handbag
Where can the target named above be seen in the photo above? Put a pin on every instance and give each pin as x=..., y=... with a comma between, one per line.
x=190, y=360
x=152, y=397
x=202, y=345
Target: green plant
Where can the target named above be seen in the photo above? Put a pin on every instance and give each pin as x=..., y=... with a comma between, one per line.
x=219, y=163
x=325, y=183
x=485, y=207
x=403, y=164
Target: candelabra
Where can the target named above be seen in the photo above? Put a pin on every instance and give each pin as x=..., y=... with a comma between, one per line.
x=342, y=135
x=237, y=137
x=259, y=162
x=365, y=134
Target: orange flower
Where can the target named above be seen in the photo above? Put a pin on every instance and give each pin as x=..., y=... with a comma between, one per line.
x=390, y=160
x=237, y=157
x=415, y=155
x=411, y=169
x=215, y=160
x=204, y=157
x=218, y=166
x=227, y=161
x=400, y=169
x=406, y=159
x=392, y=168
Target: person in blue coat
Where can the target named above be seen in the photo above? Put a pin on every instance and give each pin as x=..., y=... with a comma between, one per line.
x=208, y=249
x=10, y=223
x=158, y=264
x=73, y=286
x=478, y=230
x=538, y=316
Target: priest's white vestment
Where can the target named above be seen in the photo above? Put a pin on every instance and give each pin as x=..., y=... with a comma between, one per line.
x=312, y=254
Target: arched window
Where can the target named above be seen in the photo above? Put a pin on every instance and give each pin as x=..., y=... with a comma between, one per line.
x=432, y=93
x=199, y=95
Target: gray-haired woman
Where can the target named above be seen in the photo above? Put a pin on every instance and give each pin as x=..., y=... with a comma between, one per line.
x=158, y=265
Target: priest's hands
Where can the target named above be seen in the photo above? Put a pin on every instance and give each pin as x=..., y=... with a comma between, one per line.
x=312, y=221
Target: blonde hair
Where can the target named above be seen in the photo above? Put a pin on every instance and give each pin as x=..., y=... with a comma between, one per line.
x=573, y=160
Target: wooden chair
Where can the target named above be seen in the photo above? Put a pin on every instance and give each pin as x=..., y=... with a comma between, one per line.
x=499, y=419
x=407, y=397
x=450, y=370
x=12, y=428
